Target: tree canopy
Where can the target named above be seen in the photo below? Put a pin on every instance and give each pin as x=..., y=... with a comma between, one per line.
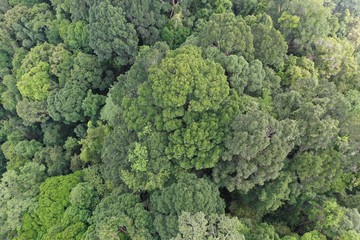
x=180, y=119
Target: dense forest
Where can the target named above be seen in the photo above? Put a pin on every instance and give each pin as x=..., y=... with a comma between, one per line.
x=180, y=119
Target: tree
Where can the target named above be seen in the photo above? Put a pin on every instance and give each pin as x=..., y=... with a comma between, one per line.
x=255, y=150
x=313, y=235
x=61, y=62
x=114, y=153
x=11, y=96
x=29, y=25
x=19, y=192
x=188, y=194
x=326, y=215
x=146, y=167
x=334, y=58
x=74, y=9
x=26, y=60
x=54, y=160
x=317, y=107
x=5, y=63
x=148, y=17
x=27, y=3
x=317, y=172
x=110, y=35
x=351, y=220
x=214, y=226
x=230, y=34
x=93, y=143
x=75, y=34
x=264, y=199
x=87, y=70
x=62, y=210
x=128, y=84
x=254, y=75
x=18, y=153
x=262, y=231
x=270, y=45
x=179, y=99
x=351, y=234
x=120, y=215
x=53, y=134
x=66, y=103
x=32, y=111
x=234, y=66
x=315, y=21
x=205, y=93
x=296, y=68
x=245, y=77
x=35, y=84
x=92, y=105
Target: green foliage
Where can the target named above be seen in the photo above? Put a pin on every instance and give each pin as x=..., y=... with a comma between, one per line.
x=92, y=105
x=249, y=107
x=35, y=84
x=93, y=143
x=348, y=235
x=313, y=235
x=305, y=21
x=110, y=34
x=29, y=25
x=148, y=17
x=75, y=34
x=63, y=208
x=256, y=150
x=327, y=216
x=317, y=172
x=334, y=57
x=268, y=198
x=188, y=194
x=114, y=153
x=199, y=226
x=32, y=111
x=11, y=95
x=53, y=134
x=145, y=166
x=19, y=192
x=54, y=160
x=270, y=45
x=18, y=153
x=54, y=198
x=66, y=103
x=120, y=211
x=262, y=231
x=230, y=34
x=89, y=71
x=27, y=3
x=197, y=97
x=174, y=35
x=196, y=88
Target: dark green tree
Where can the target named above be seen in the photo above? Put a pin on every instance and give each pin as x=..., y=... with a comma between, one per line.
x=19, y=192
x=148, y=17
x=255, y=150
x=66, y=103
x=230, y=34
x=214, y=226
x=189, y=194
x=111, y=37
x=269, y=43
x=118, y=216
